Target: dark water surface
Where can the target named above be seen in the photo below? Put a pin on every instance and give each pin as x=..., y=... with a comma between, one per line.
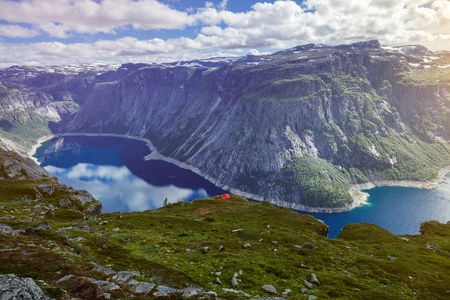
x=113, y=170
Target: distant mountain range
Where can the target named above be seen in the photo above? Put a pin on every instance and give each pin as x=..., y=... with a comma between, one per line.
x=297, y=127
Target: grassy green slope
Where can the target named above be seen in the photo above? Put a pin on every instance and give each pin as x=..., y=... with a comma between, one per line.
x=364, y=262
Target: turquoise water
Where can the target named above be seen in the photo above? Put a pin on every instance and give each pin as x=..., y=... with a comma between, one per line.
x=112, y=169
x=397, y=209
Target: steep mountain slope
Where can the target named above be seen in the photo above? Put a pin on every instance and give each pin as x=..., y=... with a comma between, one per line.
x=23, y=182
x=296, y=127
x=34, y=99
x=55, y=243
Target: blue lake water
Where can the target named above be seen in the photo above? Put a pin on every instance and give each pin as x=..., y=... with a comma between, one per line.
x=113, y=170
x=397, y=209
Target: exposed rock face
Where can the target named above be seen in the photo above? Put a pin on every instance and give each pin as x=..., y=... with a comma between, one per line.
x=15, y=169
x=241, y=124
x=367, y=111
x=14, y=166
x=32, y=97
x=13, y=287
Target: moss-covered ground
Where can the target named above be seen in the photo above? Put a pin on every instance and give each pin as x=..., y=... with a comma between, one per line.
x=178, y=245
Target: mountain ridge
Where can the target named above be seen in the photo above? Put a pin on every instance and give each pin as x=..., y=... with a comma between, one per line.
x=257, y=116
x=54, y=241
x=350, y=113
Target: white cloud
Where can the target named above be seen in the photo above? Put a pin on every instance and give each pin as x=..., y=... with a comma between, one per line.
x=123, y=50
x=285, y=23
x=256, y=52
x=277, y=25
x=223, y=5
x=58, y=18
x=211, y=30
x=13, y=31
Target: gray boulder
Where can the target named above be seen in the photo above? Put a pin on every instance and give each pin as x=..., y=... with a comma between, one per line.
x=46, y=188
x=237, y=292
x=140, y=287
x=269, y=289
x=42, y=226
x=308, y=284
x=235, y=280
x=103, y=269
x=192, y=292
x=64, y=202
x=84, y=198
x=93, y=210
x=125, y=276
x=310, y=246
x=164, y=291
x=314, y=279
x=65, y=278
x=104, y=285
x=13, y=287
x=5, y=229
x=286, y=292
x=302, y=266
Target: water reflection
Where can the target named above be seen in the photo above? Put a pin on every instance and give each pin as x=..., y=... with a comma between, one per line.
x=113, y=170
x=120, y=190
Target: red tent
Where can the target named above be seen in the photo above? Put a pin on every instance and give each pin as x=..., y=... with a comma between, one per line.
x=226, y=196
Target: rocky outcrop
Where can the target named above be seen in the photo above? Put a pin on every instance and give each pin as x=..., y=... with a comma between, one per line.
x=125, y=281
x=15, y=169
x=14, y=166
x=13, y=287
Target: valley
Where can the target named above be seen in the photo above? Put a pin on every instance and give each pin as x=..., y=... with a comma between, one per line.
x=300, y=128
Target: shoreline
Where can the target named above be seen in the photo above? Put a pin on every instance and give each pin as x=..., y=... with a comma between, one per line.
x=39, y=143
x=359, y=198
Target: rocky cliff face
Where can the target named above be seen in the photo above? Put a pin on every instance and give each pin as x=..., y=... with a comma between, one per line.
x=296, y=127
x=350, y=112
x=23, y=182
x=34, y=99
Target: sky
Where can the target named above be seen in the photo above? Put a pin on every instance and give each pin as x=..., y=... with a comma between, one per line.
x=60, y=32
